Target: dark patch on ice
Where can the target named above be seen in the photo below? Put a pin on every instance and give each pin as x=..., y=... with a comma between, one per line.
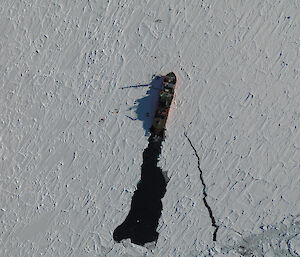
x=141, y=223
x=277, y=240
x=213, y=220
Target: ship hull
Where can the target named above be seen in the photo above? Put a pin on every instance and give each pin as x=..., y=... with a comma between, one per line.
x=166, y=96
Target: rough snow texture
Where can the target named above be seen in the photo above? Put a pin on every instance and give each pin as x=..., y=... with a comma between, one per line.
x=70, y=156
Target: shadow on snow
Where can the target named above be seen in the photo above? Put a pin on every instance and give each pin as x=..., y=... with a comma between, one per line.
x=145, y=107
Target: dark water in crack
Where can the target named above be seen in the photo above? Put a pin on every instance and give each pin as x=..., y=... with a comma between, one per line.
x=141, y=223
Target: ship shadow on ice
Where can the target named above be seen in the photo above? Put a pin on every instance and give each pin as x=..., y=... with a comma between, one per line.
x=146, y=106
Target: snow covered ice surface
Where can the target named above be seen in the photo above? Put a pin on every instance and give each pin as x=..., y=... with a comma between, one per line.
x=71, y=141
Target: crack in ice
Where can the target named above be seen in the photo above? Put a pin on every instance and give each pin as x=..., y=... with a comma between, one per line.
x=213, y=221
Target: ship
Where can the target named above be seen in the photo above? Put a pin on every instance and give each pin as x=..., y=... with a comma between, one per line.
x=166, y=96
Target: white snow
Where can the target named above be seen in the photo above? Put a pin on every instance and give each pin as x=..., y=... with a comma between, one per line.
x=70, y=156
